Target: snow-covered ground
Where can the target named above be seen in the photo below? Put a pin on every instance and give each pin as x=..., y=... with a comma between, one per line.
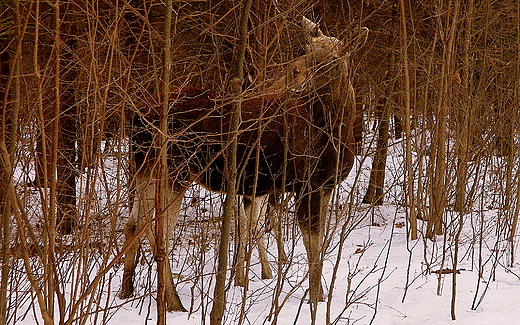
x=376, y=264
x=382, y=278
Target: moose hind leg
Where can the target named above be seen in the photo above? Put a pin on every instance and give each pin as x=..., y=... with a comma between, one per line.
x=251, y=227
x=275, y=212
x=312, y=211
x=241, y=242
x=257, y=215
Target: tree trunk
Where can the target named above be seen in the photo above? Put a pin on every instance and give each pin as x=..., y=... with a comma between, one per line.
x=407, y=103
x=161, y=254
x=438, y=183
x=8, y=130
x=375, y=190
x=236, y=82
x=59, y=126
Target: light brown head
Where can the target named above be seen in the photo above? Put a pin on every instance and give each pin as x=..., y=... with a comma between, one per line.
x=324, y=67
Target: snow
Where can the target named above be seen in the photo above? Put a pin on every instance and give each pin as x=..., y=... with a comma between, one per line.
x=383, y=278
x=421, y=305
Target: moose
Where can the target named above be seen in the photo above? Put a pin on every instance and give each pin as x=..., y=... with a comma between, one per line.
x=252, y=227
x=305, y=134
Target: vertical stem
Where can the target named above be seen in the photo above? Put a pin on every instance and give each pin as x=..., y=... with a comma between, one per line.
x=462, y=170
x=8, y=134
x=63, y=129
x=514, y=222
x=438, y=174
x=455, y=263
x=162, y=174
x=237, y=79
x=451, y=49
x=51, y=221
x=46, y=314
x=466, y=117
x=159, y=249
x=5, y=208
x=409, y=167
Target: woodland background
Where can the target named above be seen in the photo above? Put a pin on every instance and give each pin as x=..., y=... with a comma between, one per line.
x=439, y=79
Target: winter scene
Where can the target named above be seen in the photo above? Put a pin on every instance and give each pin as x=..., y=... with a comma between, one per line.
x=195, y=162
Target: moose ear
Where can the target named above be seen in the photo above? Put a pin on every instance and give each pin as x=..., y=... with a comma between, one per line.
x=355, y=43
x=312, y=28
x=359, y=40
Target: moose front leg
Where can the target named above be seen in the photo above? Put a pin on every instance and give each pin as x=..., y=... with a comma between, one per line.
x=311, y=213
x=130, y=259
x=141, y=212
x=141, y=216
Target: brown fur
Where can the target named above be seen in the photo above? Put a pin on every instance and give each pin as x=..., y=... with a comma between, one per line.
x=305, y=136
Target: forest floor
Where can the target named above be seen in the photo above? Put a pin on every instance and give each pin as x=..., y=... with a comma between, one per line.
x=388, y=281
x=381, y=277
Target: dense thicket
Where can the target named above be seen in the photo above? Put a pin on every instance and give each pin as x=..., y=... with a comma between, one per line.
x=73, y=73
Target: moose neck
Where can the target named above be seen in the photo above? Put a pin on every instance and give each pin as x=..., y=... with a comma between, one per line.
x=332, y=87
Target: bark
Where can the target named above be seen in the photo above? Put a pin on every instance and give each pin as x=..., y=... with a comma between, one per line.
x=56, y=144
x=465, y=131
x=514, y=222
x=438, y=183
x=161, y=254
x=8, y=132
x=65, y=89
x=460, y=218
x=409, y=167
x=464, y=139
x=375, y=190
x=236, y=82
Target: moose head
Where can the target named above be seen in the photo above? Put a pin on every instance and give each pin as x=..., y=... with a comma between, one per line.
x=325, y=65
